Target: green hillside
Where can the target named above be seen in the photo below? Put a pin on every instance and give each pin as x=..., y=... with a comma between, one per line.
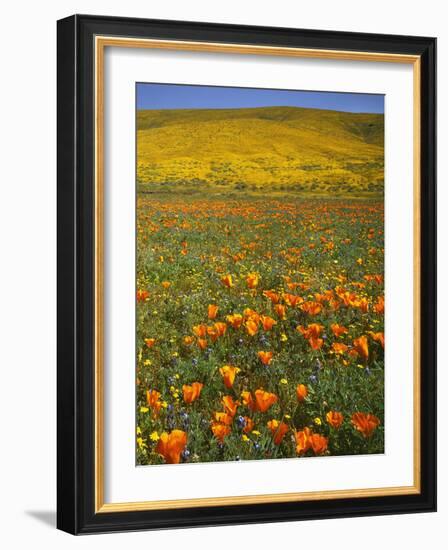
x=259, y=150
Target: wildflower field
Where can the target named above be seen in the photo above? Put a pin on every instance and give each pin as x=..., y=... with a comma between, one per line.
x=260, y=327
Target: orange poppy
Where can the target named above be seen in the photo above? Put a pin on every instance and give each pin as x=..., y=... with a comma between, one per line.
x=340, y=291
x=303, y=440
x=301, y=392
x=292, y=300
x=338, y=330
x=375, y=278
x=166, y=284
x=339, y=348
x=152, y=398
x=273, y=296
x=379, y=306
x=264, y=400
x=265, y=357
x=150, y=342
x=223, y=418
x=191, y=393
x=278, y=430
x=365, y=423
x=267, y=322
x=334, y=304
x=292, y=286
x=248, y=400
x=200, y=330
x=220, y=328
x=315, y=343
x=212, y=311
x=318, y=443
x=228, y=374
x=306, y=440
x=142, y=295
x=363, y=305
x=249, y=425
x=312, y=308
x=359, y=285
x=280, y=310
x=202, y=343
x=335, y=419
x=252, y=315
x=227, y=281
x=350, y=299
x=235, y=320
x=171, y=445
x=252, y=280
x=188, y=340
x=220, y=431
x=251, y=327
x=312, y=331
x=213, y=333
x=230, y=405
x=361, y=346
x=378, y=337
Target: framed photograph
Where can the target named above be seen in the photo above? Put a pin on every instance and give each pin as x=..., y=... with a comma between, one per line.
x=246, y=274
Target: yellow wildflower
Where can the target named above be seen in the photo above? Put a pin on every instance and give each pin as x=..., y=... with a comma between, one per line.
x=141, y=443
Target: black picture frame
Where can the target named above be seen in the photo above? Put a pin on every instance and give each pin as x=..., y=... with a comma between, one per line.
x=76, y=271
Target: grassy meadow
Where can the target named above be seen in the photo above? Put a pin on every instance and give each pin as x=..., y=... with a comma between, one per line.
x=260, y=288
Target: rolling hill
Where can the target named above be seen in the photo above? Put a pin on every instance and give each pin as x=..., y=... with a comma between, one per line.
x=268, y=149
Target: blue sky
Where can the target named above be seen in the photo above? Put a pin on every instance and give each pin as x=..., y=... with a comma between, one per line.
x=179, y=96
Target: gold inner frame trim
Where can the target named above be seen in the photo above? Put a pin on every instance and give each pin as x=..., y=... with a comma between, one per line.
x=101, y=42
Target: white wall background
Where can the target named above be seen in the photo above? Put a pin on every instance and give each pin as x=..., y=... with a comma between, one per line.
x=27, y=289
